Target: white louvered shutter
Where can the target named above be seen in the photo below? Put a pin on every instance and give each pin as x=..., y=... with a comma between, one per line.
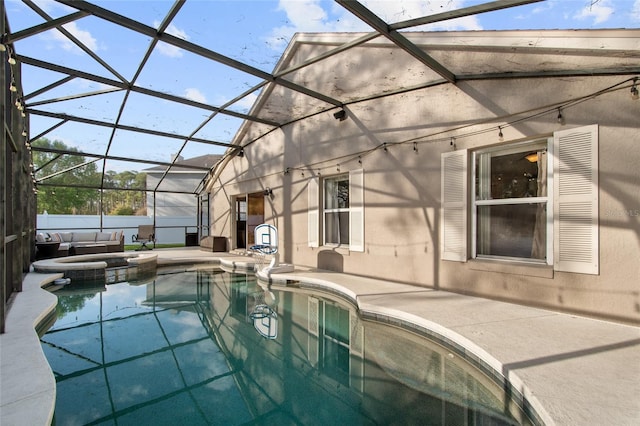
x=454, y=206
x=356, y=210
x=575, y=215
x=313, y=213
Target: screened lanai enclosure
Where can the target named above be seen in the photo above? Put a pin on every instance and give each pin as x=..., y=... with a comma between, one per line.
x=106, y=87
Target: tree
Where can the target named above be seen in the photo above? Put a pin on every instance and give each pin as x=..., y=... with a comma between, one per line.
x=118, y=202
x=64, y=171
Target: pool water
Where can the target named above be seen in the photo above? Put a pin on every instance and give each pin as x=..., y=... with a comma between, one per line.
x=208, y=347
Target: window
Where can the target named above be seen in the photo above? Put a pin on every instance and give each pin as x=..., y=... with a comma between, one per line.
x=336, y=210
x=335, y=347
x=535, y=201
x=511, y=218
x=335, y=342
x=341, y=216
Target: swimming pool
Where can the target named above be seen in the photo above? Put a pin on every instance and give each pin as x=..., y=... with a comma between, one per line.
x=204, y=346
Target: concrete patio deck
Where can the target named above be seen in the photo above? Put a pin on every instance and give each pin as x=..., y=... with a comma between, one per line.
x=576, y=370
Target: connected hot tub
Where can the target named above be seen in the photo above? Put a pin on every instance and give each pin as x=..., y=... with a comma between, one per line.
x=107, y=267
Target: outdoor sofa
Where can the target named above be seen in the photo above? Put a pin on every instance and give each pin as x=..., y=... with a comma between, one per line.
x=89, y=242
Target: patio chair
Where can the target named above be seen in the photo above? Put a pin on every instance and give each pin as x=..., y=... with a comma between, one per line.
x=146, y=234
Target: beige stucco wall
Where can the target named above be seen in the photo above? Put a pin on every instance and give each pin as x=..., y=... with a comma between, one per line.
x=402, y=187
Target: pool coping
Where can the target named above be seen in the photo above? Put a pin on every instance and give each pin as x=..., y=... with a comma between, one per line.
x=27, y=384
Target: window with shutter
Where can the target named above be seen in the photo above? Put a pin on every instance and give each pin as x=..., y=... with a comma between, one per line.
x=535, y=201
x=342, y=211
x=336, y=202
x=511, y=218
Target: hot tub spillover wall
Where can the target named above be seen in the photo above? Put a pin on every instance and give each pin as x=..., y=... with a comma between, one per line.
x=93, y=267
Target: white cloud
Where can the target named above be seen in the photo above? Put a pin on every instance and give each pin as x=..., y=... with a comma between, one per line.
x=195, y=95
x=599, y=11
x=169, y=49
x=545, y=7
x=311, y=16
x=243, y=105
x=304, y=13
x=84, y=36
x=247, y=102
x=175, y=31
x=635, y=11
x=403, y=10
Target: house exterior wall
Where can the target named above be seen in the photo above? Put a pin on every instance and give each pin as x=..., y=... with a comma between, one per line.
x=173, y=204
x=402, y=213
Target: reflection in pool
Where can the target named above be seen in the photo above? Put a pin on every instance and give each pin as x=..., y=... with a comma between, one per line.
x=203, y=346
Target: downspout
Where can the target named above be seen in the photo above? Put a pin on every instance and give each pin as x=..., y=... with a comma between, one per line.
x=101, y=209
x=154, y=218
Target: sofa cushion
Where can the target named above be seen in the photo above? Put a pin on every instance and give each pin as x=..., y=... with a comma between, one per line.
x=88, y=243
x=55, y=237
x=103, y=236
x=66, y=237
x=83, y=237
x=116, y=235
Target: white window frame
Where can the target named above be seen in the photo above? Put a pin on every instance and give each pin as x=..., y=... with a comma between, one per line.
x=548, y=199
x=338, y=210
x=316, y=209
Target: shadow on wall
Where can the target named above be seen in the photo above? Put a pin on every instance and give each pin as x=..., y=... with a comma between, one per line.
x=330, y=260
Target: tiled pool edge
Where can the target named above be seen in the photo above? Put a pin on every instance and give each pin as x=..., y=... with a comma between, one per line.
x=467, y=350
x=453, y=341
x=28, y=394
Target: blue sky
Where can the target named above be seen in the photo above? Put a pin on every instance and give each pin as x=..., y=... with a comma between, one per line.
x=254, y=32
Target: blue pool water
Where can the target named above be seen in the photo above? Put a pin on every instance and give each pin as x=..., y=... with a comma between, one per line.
x=207, y=347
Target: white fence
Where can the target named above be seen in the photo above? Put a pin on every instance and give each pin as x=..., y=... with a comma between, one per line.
x=169, y=229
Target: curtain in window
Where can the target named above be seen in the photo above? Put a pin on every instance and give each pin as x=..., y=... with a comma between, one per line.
x=539, y=248
x=336, y=227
